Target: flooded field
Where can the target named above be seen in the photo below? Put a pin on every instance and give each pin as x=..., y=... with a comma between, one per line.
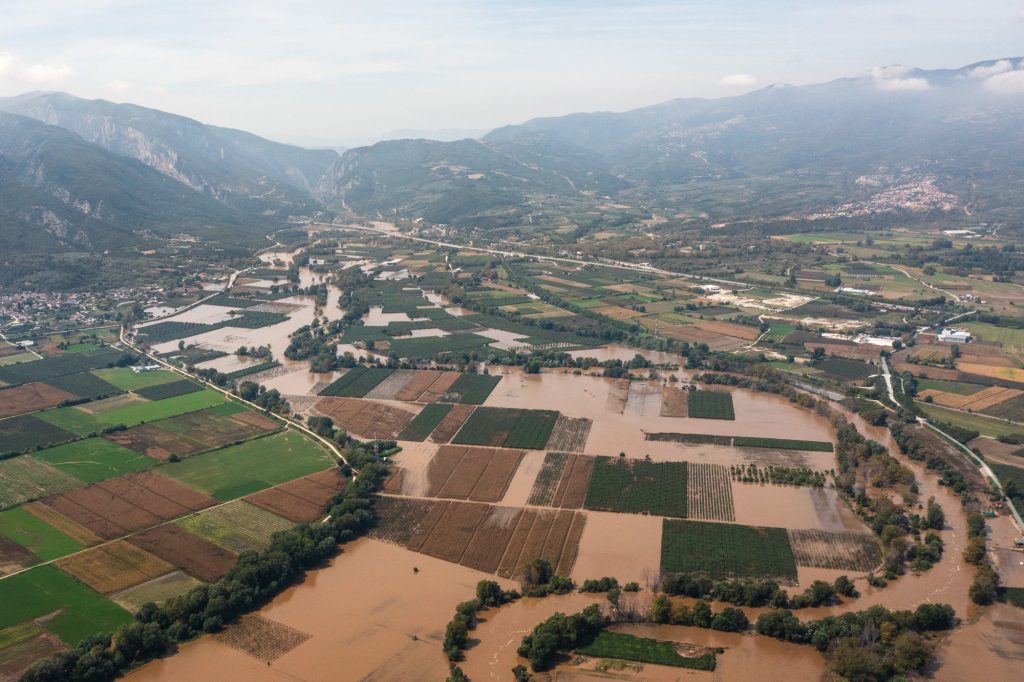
x=368, y=616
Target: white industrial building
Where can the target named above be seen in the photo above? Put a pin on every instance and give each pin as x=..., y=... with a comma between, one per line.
x=950, y=335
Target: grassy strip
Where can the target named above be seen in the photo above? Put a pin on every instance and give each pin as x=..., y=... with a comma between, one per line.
x=782, y=443
x=628, y=647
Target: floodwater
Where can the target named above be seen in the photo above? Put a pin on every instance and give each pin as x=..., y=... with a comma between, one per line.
x=992, y=648
x=521, y=485
x=626, y=546
x=792, y=507
x=369, y=616
x=587, y=395
x=616, y=351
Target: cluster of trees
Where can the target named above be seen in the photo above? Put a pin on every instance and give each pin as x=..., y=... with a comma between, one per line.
x=755, y=592
x=729, y=619
x=261, y=352
x=779, y=475
x=874, y=644
x=539, y=580
x=254, y=580
x=561, y=633
x=985, y=587
x=456, y=633
x=270, y=400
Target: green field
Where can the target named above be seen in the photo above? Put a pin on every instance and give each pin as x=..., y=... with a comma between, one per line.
x=985, y=426
x=84, y=423
x=59, y=365
x=40, y=538
x=1011, y=339
x=27, y=431
x=429, y=346
x=726, y=550
x=638, y=486
x=237, y=526
x=626, y=647
x=782, y=443
x=507, y=427
x=473, y=389
x=47, y=589
x=357, y=382
x=171, y=389
x=958, y=387
x=94, y=459
x=710, y=405
x=84, y=385
x=26, y=478
x=425, y=422
x=129, y=380
x=251, y=466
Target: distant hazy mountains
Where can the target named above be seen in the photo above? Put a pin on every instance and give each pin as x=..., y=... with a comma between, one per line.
x=83, y=175
x=88, y=174
x=778, y=150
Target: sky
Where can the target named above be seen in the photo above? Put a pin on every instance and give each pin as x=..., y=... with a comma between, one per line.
x=323, y=72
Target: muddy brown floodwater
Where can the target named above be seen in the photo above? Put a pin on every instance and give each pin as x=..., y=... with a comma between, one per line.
x=369, y=617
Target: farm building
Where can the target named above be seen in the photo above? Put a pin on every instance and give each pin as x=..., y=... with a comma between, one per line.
x=951, y=335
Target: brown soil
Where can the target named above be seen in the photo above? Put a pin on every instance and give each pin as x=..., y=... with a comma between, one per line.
x=976, y=402
x=365, y=418
x=439, y=387
x=114, y=567
x=427, y=524
x=31, y=397
x=572, y=485
x=128, y=503
x=741, y=331
x=471, y=473
x=111, y=403
x=618, y=312
x=569, y=435
x=857, y=352
x=618, y=394
x=674, y=402
x=709, y=492
x=451, y=423
x=257, y=420
x=488, y=545
x=51, y=516
x=452, y=534
x=261, y=638
x=302, y=500
x=398, y=518
x=16, y=659
x=842, y=550
x=152, y=441
x=198, y=557
x=416, y=386
x=13, y=556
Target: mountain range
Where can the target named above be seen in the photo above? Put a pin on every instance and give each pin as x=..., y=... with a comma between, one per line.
x=87, y=175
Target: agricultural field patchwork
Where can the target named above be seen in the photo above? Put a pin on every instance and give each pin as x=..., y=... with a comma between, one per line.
x=499, y=540
x=366, y=418
x=83, y=423
x=626, y=647
x=465, y=473
x=251, y=466
x=28, y=432
x=725, y=550
x=94, y=459
x=302, y=500
x=158, y=591
x=26, y=478
x=197, y=557
x=171, y=389
x=41, y=540
x=30, y=397
x=118, y=506
x=639, y=487
x=59, y=365
x=114, y=567
x=356, y=382
x=84, y=385
x=127, y=379
x=46, y=589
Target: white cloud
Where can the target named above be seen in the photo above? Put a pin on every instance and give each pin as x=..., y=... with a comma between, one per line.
x=1009, y=82
x=739, y=80
x=119, y=86
x=1002, y=66
x=891, y=79
x=14, y=71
